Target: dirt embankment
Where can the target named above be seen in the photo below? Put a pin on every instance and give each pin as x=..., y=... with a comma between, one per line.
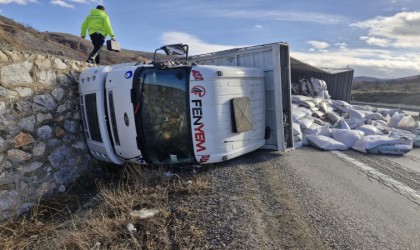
x=242, y=204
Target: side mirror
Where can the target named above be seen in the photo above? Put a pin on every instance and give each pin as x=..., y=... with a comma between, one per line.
x=174, y=50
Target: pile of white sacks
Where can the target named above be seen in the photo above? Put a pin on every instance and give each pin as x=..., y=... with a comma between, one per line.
x=337, y=125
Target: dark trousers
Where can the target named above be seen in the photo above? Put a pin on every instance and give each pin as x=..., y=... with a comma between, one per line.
x=97, y=40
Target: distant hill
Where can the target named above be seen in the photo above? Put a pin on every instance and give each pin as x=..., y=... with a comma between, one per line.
x=404, y=90
x=364, y=79
x=370, y=83
x=358, y=79
x=21, y=37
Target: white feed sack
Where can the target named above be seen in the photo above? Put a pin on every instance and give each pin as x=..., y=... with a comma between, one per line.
x=297, y=133
x=325, y=142
x=305, y=122
x=369, y=130
x=383, y=144
x=400, y=132
x=332, y=117
x=375, y=116
x=316, y=129
x=354, y=123
x=341, y=124
x=347, y=137
x=297, y=114
x=408, y=123
x=356, y=114
x=395, y=120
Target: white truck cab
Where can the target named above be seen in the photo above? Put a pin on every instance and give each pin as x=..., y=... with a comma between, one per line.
x=172, y=112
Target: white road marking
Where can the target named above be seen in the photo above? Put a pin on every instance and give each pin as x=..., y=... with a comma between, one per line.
x=399, y=187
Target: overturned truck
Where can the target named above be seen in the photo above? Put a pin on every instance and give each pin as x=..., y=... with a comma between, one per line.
x=181, y=112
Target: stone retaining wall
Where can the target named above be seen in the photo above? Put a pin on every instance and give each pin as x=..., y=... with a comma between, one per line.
x=42, y=148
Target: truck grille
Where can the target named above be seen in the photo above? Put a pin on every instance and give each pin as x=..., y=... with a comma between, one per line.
x=92, y=117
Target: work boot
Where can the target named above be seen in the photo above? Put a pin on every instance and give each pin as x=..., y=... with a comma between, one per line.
x=90, y=60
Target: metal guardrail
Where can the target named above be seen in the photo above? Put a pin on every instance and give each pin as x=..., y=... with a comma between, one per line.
x=410, y=108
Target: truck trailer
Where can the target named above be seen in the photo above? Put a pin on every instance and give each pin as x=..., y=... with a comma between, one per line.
x=180, y=112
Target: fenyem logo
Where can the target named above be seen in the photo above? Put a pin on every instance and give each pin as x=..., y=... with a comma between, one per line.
x=204, y=158
x=198, y=91
x=197, y=75
x=128, y=74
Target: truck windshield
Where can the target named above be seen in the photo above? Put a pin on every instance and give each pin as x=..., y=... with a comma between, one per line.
x=164, y=116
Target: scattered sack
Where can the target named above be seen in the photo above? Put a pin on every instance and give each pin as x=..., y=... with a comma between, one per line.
x=318, y=114
x=297, y=114
x=324, y=107
x=318, y=121
x=341, y=124
x=356, y=114
x=307, y=104
x=347, y=137
x=325, y=143
x=376, y=144
x=297, y=144
x=405, y=133
x=305, y=122
x=407, y=123
x=299, y=98
x=369, y=130
x=296, y=128
x=393, y=149
x=341, y=103
x=316, y=129
x=332, y=117
x=354, y=123
x=308, y=112
x=374, y=116
x=297, y=133
x=395, y=120
x=390, y=112
x=381, y=126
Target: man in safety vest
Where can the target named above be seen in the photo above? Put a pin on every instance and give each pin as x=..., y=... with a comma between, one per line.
x=99, y=27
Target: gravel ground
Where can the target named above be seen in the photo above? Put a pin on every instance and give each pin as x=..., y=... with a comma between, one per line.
x=250, y=206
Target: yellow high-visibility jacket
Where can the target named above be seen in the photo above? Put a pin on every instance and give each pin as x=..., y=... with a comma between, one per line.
x=97, y=21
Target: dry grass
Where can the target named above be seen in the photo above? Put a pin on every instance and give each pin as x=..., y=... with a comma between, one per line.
x=102, y=222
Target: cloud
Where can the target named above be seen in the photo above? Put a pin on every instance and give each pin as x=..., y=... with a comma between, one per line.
x=400, y=30
x=22, y=2
x=287, y=16
x=381, y=42
x=258, y=26
x=62, y=4
x=87, y=1
x=318, y=45
x=68, y=3
x=342, y=46
x=196, y=45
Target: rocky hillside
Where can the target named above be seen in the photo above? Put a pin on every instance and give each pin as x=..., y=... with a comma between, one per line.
x=20, y=37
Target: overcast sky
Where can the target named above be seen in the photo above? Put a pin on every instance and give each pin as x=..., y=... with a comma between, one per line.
x=379, y=38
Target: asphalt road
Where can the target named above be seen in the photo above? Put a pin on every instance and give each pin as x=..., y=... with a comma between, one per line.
x=358, y=201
